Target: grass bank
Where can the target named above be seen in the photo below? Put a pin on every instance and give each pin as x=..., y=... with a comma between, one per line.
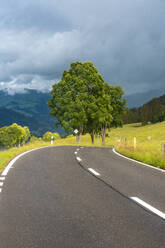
x=148, y=142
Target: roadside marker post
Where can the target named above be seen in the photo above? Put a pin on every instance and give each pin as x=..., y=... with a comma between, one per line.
x=125, y=142
x=134, y=143
x=51, y=140
x=163, y=148
x=76, y=132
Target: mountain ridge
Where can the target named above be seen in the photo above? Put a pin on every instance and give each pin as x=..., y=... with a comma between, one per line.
x=30, y=108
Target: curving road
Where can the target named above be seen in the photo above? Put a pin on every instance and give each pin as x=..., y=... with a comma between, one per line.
x=69, y=197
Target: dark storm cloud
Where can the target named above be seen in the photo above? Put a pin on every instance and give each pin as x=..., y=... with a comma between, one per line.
x=124, y=39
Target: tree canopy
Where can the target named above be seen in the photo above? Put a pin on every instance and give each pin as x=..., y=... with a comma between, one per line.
x=48, y=136
x=13, y=135
x=83, y=101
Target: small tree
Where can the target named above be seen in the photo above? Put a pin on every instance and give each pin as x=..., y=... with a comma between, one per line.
x=13, y=135
x=16, y=134
x=3, y=137
x=28, y=134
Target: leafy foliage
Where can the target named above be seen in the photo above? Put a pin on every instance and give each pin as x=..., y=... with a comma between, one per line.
x=48, y=136
x=83, y=101
x=13, y=135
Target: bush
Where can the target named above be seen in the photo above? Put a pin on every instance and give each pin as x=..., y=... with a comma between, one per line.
x=13, y=135
x=48, y=135
x=33, y=139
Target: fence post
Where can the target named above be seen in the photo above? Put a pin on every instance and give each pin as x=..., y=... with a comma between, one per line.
x=125, y=142
x=134, y=143
x=121, y=141
x=163, y=148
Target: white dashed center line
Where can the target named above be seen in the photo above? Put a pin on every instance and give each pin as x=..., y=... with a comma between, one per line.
x=149, y=207
x=2, y=178
x=75, y=153
x=1, y=184
x=79, y=159
x=94, y=172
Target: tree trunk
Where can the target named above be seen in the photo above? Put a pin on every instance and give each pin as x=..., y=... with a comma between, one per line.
x=92, y=137
x=103, y=133
x=79, y=138
x=80, y=134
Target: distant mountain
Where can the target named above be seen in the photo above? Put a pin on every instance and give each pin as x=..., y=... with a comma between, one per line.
x=28, y=109
x=152, y=111
x=31, y=103
x=8, y=116
x=138, y=99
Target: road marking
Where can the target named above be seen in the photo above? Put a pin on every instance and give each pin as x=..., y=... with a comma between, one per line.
x=1, y=184
x=75, y=153
x=150, y=166
x=94, y=172
x=2, y=178
x=149, y=207
x=79, y=159
x=78, y=149
x=0, y=190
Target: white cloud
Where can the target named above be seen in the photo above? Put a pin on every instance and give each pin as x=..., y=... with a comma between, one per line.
x=23, y=82
x=124, y=39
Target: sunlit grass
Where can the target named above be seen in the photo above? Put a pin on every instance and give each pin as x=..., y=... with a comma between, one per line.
x=149, y=142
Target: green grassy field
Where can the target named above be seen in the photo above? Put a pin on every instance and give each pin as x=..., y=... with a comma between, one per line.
x=148, y=142
x=147, y=151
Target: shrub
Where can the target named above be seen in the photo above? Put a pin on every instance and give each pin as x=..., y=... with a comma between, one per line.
x=48, y=135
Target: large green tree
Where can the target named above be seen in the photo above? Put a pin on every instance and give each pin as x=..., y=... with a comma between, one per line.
x=83, y=101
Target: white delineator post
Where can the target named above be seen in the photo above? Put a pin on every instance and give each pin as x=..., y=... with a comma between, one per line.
x=52, y=140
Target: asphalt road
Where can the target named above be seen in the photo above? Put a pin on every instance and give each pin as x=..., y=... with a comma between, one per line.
x=48, y=200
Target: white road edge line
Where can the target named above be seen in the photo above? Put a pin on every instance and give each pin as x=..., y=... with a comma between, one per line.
x=149, y=207
x=1, y=184
x=79, y=159
x=0, y=190
x=150, y=166
x=94, y=172
x=6, y=170
x=75, y=153
x=2, y=178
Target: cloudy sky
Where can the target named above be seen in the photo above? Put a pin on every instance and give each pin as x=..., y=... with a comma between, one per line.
x=125, y=39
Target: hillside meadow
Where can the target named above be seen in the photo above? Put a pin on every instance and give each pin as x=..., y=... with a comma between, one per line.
x=148, y=144
x=149, y=140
